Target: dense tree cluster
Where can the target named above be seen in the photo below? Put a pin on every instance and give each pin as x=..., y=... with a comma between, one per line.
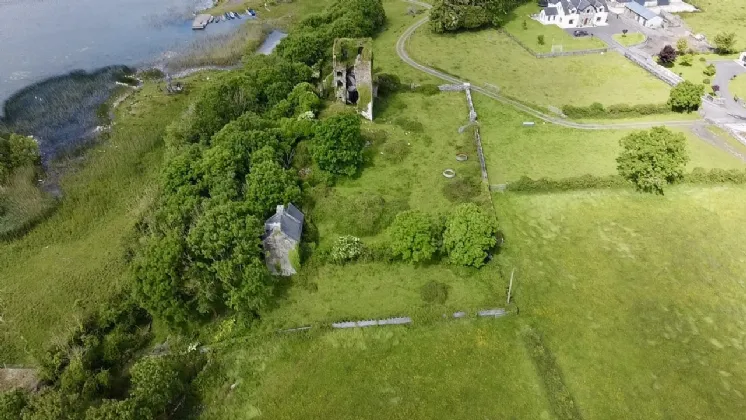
x=452, y=15
x=311, y=41
x=16, y=152
x=229, y=167
x=652, y=159
x=465, y=236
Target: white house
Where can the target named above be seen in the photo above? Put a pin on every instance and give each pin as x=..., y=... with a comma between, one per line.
x=574, y=13
x=643, y=15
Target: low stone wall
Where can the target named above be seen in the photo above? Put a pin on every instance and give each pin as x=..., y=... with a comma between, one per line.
x=554, y=54
x=655, y=69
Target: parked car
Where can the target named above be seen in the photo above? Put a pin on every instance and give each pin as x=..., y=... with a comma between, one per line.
x=581, y=33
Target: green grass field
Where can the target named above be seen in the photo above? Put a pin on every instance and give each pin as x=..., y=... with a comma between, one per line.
x=75, y=259
x=546, y=150
x=640, y=296
x=488, y=56
x=631, y=38
x=553, y=35
x=467, y=369
x=719, y=16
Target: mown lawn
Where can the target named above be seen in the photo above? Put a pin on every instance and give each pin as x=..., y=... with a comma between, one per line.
x=553, y=35
x=719, y=16
x=640, y=297
x=75, y=259
x=629, y=39
x=547, y=150
x=467, y=369
x=487, y=56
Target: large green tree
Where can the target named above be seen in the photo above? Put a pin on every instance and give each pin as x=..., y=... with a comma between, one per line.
x=268, y=185
x=338, y=144
x=725, y=43
x=652, y=159
x=469, y=235
x=686, y=96
x=414, y=236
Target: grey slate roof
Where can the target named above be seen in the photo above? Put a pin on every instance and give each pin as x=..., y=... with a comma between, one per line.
x=550, y=11
x=643, y=11
x=290, y=220
x=664, y=2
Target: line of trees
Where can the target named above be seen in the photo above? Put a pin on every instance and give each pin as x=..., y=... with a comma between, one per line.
x=454, y=15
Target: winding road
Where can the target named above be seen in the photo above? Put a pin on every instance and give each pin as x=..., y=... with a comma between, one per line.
x=695, y=125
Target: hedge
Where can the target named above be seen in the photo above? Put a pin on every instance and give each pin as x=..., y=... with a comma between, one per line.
x=597, y=110
x=698, y=176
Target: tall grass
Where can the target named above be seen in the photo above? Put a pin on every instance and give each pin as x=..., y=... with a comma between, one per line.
x=22, y=203
x=222, y=50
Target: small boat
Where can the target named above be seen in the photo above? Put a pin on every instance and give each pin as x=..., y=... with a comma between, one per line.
x=223, y=18
x=237, y=15
x=252, y=12
x=211, y=20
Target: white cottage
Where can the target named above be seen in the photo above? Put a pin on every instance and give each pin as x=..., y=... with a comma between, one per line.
x=574, y=13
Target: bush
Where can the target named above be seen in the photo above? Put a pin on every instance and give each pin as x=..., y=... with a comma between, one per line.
x=415, y=236
x=702, y=59
x=651, y=159
x=469, y=234
x=597, y=110
x=706, y=81
x=409, y=124
x=686, y=96
x=428, y=89
x=11, y=404
x=346, y=248
x=584, y=182
x=434, y=292
x=449, y=15
x=460, y=190
x=709, y=70
x=540, y=39
x=338, y=144
x=715, y=176
x=388, y=84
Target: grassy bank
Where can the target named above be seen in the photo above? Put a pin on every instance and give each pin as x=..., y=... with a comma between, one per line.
x=75, y=258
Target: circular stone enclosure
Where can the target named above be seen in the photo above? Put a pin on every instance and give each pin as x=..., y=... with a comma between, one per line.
x=462, y=157
x=449, y=173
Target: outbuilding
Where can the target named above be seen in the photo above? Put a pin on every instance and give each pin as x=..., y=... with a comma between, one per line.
x=643, y=15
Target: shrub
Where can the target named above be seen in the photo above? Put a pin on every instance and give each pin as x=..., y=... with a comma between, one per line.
x=686, y=96
x=388, y=84
x=686, y=60
x=434, y=292
x=715, y=176
x=651, y=159
x=710, y=70
x=415, y=236
x=702, y=59
x=706, y=81
x=346, y=248
x=584, y=182
x=338, y=144
x=469, y=234
x=667, y=56
x=615, y=111
x=460, y=190
x=366, y=214
x=396, y=150
x=725, y=43
x=11, y=404
x=428, y=89
x=540, y=39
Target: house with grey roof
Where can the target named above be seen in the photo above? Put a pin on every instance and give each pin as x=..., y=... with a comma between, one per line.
x=643, y=15
x=282, y=235
x=657, y=6
x=574, y=13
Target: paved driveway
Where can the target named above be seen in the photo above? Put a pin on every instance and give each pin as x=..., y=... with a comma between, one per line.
x=616, y=26
x=726, y=70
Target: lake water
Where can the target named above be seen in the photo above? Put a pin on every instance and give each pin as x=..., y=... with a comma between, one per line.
x=45, y=38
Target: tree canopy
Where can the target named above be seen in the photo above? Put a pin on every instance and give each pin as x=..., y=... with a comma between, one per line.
x=686, y=96
x=414, y=236
x=469, y=234
x=338, y=144
x=652, y=159
x=667, y=55
x=453, y=15
x=725, y=43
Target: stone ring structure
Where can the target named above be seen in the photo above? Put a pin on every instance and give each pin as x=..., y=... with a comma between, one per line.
x=449, y=173
x=462, y=157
